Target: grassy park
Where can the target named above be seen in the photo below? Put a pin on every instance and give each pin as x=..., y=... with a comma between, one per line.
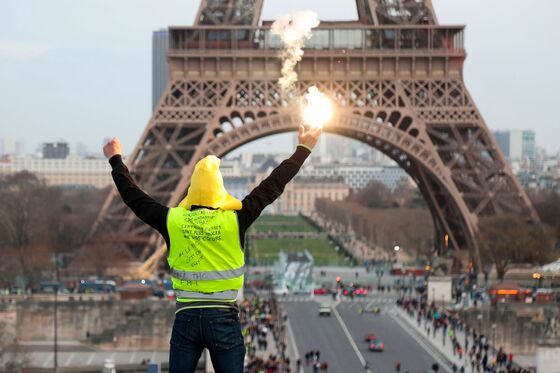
x=281, y=223
x=265, y=251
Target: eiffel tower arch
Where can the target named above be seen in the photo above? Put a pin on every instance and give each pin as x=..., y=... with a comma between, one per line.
x=395, y=75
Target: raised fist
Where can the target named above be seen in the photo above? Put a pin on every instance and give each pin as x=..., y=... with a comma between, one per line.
x=112, y=148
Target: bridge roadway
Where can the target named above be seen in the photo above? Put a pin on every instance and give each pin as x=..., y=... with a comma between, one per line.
x=327, y=335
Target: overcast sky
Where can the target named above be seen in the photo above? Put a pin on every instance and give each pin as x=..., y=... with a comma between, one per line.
x=81, y=70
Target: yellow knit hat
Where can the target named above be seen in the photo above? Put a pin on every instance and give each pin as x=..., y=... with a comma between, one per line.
x=207, y=187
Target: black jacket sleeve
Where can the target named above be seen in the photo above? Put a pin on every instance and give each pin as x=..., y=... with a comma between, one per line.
x=144, y=207
x=270, y=189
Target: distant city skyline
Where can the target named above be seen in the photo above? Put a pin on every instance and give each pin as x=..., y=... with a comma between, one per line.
x=82, y=72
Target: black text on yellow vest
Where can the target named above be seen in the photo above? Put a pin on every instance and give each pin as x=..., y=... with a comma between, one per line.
x=205, y=254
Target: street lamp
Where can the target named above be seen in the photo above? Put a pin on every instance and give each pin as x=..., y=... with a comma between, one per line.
x=55, y=362
x=397, y=248
x=537, y=277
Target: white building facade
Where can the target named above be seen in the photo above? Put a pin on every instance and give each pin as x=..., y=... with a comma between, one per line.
x=72, y=171
x=359, y=176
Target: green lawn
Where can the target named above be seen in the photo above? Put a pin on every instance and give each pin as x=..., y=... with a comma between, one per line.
x=265, y=251
x=280, y=223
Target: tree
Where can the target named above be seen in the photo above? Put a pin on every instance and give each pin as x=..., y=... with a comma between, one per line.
x=27, y=217
x=374, y=195
x=37, y=220
x=406, y=195
x=377, y=195
x=506, y=239
x=547, y=204
x=410, y=228
x=100, y=257
x=78, y=209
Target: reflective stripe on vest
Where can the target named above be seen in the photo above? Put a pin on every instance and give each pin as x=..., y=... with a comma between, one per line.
x=208, y=275
x=222, y=295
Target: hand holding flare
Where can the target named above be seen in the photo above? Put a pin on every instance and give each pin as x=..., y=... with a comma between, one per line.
x=309, y=137
x=318, y=108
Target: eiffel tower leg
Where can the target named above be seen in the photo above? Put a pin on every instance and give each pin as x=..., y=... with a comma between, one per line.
x=166, y=152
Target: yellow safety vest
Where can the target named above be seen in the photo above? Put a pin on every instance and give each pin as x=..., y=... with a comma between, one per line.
x=205, y=254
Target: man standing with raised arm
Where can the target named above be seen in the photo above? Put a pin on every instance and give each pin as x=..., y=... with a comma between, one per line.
x=205, y=237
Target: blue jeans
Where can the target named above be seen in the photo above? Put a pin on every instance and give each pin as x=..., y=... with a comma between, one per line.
x=216, y=329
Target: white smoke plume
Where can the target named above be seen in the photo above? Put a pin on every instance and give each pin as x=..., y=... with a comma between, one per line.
x=293, y=29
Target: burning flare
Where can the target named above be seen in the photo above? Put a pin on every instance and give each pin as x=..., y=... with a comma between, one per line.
x=318, y=108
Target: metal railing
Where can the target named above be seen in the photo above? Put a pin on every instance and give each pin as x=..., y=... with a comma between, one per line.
x=329, y=37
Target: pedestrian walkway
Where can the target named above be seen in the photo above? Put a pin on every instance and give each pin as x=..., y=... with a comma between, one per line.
x=271, y=348
x=435, y=340
x=441, y=341
x=258, y=319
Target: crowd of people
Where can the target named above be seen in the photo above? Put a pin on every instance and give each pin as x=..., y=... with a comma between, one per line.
x=259, y=318
x=313, y=358
x=473, y=350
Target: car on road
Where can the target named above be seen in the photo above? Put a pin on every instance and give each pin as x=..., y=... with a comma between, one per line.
x=324, y=310
x=321, y=291
x=361, y=292
x=355, y=290
x=376, y=346
x=281, y=291
x=369, y=337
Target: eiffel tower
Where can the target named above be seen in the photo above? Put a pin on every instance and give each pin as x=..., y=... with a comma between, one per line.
x=396, y=76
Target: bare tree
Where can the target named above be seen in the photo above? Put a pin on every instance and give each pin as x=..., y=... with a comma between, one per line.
x=507, y=239
x=77, y=212
x=410, y=228
x=37, y=220
x=374, y=195
x=377, y=195
x=547, y=204
x=99, y=257
x=27, y=221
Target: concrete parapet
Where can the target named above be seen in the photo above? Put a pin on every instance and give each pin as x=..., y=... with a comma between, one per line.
x=108, y=324
x=548, y=352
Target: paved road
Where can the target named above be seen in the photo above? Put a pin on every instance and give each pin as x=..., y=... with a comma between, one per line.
x=399, y=345
x=325, y=334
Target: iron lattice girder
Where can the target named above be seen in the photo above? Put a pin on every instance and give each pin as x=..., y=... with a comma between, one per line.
x=231, y=12
x=246, y=12
x=404, y=96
